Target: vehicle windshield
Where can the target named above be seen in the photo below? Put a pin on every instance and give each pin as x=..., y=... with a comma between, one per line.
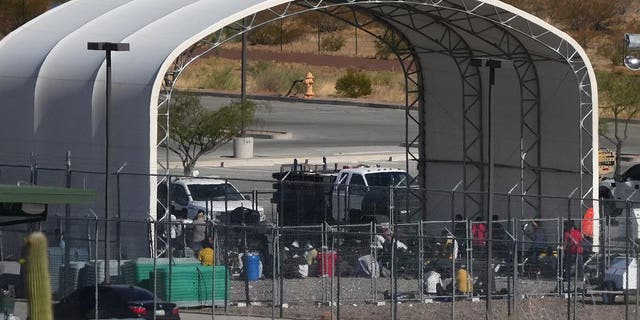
x=204, y=192
x=388, y=178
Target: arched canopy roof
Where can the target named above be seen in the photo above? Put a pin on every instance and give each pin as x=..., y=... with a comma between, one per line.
x=545, y=100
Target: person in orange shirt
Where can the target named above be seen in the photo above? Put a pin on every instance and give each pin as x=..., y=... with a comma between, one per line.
x=587, y=229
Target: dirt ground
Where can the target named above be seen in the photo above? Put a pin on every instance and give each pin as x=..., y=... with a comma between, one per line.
x=530, y=308
x=303, y=296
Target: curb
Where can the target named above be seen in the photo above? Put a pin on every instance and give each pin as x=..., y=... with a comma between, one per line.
x=266, y=134
x=258, y=161
x=295, y=99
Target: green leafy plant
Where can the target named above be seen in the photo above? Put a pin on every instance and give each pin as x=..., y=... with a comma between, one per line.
x=195, y=131
x=224, y=79
x=620, y=94
x=354, y=84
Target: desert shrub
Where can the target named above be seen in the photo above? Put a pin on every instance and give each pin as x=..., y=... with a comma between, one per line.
x=354, y=84
x=318, y=21
x=271, y=77
x=271, y=34
x=332, y=43
x=223, y=79
x=383, y=49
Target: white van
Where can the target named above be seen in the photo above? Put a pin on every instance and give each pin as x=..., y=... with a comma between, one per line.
x=214, y=196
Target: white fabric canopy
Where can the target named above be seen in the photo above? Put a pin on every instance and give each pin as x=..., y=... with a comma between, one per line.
x=545, y=97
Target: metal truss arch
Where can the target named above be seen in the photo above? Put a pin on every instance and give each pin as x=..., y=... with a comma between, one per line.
x=458, y=49
x=512, y=49
x=566, y=51
x=453, y=16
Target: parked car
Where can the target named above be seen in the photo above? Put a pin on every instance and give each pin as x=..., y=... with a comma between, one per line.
x=116, y=301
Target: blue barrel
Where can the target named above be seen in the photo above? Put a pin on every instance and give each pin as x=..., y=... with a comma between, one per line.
x=252, y=266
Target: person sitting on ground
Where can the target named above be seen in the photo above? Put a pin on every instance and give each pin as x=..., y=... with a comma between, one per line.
x=206, y=254
x=464, y=281
x=433, y=284
x=311, y=254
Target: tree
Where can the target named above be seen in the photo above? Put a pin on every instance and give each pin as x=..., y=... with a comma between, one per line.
x=14, y=13
x=613, y=47
x=584, y=18
x=620, y=93
x=195, y=131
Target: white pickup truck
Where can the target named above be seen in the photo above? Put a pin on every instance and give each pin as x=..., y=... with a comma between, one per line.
x=615, y=191
x=213, y=196
x=311, y=194
x=364, y=191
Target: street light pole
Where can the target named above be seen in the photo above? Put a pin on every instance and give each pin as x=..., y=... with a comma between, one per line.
x=493, y=65
x=107, y=47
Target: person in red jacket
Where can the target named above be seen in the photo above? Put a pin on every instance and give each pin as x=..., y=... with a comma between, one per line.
x=573, y=249
x=479, y=234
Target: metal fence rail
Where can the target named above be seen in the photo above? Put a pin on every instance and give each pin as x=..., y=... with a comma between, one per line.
x=385, y=267
x=340, y=270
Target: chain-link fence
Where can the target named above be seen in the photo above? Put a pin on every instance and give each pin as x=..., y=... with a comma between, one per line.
x=348, y=263
x=391, y=270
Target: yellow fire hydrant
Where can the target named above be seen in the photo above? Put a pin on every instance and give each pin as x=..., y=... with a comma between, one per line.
x=308, y=82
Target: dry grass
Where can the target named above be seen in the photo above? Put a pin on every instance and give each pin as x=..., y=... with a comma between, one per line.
x=275, y=78
x=366, y=44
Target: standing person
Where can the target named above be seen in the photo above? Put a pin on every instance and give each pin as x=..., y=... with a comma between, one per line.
x=199, y=232
x=573, y=249
x=587, y=230
x=499, y=237
x=460, y=231
x=479, y=234
x=177, y=240
x=537, y=246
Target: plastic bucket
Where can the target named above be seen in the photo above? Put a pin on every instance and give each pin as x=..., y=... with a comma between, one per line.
x=326, y=260
x=252, y=267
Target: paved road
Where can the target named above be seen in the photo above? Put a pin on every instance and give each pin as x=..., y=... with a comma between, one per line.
x=321, y=129
x=342, y=133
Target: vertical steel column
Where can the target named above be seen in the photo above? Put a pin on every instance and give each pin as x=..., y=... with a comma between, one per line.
x=67, y=226
x=107, y=231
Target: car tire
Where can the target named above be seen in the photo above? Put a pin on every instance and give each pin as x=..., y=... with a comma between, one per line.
x=609, y=298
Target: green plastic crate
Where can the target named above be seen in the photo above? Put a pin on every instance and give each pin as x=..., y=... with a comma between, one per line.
x=136, y=271
x=191, y=286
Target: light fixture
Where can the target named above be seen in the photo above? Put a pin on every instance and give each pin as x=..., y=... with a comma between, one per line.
x=631, y=51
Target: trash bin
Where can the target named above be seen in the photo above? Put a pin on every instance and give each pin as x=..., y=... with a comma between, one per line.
x=252, y=264
x=326, y=261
